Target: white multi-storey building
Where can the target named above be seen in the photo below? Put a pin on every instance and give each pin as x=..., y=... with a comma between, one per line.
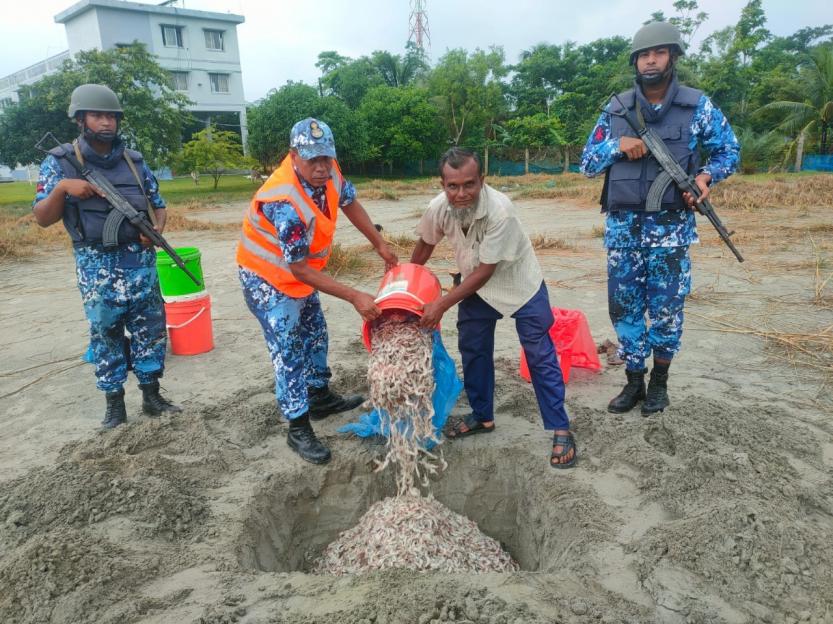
x=199, y=48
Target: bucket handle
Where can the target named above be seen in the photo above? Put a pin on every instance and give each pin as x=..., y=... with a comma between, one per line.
x=189, y=321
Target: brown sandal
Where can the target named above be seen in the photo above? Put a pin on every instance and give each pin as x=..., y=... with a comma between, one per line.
x=473, y=426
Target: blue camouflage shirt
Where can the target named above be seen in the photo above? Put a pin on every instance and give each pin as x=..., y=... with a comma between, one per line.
x=126, y=256
x=51, y=173
x=666, y=228
x=292, y=232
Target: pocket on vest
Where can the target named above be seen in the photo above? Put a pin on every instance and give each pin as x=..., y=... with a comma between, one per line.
x=625, y=182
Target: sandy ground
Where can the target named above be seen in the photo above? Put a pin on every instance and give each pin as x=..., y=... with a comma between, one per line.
x=718, y=510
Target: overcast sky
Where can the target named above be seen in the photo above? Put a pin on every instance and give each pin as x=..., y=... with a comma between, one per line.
x=281, y=40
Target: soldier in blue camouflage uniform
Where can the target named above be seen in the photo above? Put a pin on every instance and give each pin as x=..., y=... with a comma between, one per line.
x=118, y=282
x=293, y=324
x=649, y=269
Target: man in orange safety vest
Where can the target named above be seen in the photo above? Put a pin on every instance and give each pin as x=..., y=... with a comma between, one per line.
x=286, y=241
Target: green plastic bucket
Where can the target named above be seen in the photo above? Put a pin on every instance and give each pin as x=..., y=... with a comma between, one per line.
x=172, y=280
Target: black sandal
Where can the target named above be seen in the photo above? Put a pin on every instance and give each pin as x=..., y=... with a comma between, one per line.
x=566, y=442
x=473, y=426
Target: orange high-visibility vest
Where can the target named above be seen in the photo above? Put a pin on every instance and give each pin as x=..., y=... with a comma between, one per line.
x=258, y=250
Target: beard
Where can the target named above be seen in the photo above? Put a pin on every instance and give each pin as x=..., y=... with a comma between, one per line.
x=653, y=78
x=464, y=216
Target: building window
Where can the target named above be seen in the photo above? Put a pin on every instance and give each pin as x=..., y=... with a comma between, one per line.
x=180, y=80
x=214, y=40
x=6, y=102
x=219, y=83
x=172, y=36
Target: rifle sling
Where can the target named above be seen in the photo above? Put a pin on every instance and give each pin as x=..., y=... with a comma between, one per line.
x=151, y=213
x=110, y=231
x=653, y=202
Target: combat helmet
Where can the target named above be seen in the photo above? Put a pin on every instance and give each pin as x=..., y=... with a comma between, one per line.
x=93, y=97
x=656, y=34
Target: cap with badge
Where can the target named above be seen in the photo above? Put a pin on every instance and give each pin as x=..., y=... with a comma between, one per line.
x=312, y=138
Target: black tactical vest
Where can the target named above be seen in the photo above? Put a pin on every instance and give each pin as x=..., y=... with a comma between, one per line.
x=627, y=182
x=84, y=218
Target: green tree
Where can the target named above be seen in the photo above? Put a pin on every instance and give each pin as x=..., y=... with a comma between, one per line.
x=154, y=112
x=750, y=32
x=812, y=117
x=271, y=119
x=330, y=60
x=535, y=131
x=546, y=72
x=346, y=78
x=538, y=78
x=759, y=150
x=214, y=152
x=400, y=71
x=688, y=19
x=402, y=125
x=728, y=68
x=469, y=92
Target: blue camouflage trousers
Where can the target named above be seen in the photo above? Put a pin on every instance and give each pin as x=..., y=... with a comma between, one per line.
x=296, y=336
x=652, y=280
x=120, y=291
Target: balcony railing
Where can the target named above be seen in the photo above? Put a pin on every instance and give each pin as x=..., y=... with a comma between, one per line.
x=33, y=71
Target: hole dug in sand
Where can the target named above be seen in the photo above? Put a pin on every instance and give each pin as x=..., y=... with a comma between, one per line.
x=289, y=523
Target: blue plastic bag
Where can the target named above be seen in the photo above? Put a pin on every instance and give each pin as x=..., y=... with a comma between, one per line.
x=447, y=389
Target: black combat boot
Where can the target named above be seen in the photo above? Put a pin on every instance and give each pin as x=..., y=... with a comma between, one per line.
x=657, y=395
x=301, y=439
x=153, y=404
x=632, y=393
x=116, y=413
x=324, y=402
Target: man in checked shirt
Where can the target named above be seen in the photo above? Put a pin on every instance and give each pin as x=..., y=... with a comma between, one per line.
x=286, y=241
x=648, y=264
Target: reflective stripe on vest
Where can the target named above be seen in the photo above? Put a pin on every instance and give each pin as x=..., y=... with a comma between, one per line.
x=259, y=250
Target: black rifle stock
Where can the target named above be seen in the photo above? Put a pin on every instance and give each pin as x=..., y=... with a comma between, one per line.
x=673, y=172
x=119, y=203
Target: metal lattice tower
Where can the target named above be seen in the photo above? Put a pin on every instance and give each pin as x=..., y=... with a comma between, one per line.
x=418, y=24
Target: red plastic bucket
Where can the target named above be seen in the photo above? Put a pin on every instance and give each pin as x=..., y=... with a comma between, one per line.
x=189, y=325
x=406, y=287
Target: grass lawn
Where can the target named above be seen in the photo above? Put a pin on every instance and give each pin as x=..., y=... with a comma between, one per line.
x=19, y=195
x=16, y=197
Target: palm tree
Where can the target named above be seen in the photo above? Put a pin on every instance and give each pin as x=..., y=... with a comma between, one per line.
x=759, y=149
x=813, y=116
x=400, y=71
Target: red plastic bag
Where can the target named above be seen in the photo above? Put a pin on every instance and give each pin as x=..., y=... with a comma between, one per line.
x=573, y=343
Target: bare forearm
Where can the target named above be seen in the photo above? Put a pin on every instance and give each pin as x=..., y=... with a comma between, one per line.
x=321, y=281
x=469, y=286
x=422, y=252
x=50, y=209
x=358, y=216
x=161, y=217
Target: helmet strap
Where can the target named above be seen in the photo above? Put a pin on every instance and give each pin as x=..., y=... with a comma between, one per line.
x=654, y=80
x=100, y=137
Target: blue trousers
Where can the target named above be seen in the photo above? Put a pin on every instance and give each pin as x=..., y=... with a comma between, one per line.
x=296, y=336
x=652, y=281
x=118, y=297
x=476, y=321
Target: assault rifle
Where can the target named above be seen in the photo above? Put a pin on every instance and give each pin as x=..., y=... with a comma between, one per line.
x=672, y=172
x=121, y=209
